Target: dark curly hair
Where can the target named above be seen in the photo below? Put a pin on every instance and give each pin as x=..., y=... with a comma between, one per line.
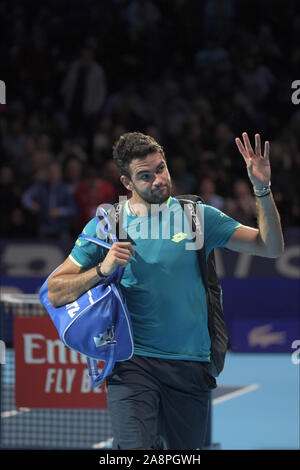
x=133, y=145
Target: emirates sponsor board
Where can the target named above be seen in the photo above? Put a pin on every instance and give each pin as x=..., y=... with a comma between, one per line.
x=48, y=374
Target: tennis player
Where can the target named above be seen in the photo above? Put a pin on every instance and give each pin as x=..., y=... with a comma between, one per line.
x=164, y=389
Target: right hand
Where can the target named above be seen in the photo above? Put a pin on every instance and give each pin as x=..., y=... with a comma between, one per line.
x=118, y=255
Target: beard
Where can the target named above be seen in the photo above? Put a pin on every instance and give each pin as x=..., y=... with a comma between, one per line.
x=156, y=196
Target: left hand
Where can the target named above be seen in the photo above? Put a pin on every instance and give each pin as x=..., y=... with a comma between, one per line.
x=258, y=165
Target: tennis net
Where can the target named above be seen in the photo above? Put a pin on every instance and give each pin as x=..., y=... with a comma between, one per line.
x=25, y=420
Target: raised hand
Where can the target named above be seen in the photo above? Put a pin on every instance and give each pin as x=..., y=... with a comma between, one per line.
x=258, y=165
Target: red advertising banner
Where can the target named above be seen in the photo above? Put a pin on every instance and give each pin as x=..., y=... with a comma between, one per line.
x=48, y=374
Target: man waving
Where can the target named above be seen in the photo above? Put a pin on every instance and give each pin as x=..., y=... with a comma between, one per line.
x=164, y=388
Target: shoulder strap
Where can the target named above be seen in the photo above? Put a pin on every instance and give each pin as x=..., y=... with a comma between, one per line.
x=185, y=202
x=118, y=216
x=110, y=222
x=105, y=225
x=95, y=240
x=190, y=198
x=96, y=377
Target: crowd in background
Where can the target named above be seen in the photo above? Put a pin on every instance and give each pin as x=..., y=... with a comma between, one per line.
x=193, y=74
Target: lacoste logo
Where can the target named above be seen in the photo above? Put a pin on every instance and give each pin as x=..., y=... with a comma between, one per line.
x=105, y=338
x=179, y=237
x=263, y=336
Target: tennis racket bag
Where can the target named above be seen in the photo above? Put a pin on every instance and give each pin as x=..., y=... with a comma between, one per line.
x=216, y=321
x=98, y=323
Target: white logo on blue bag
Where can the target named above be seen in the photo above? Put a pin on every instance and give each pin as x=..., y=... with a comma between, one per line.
x=105, y=338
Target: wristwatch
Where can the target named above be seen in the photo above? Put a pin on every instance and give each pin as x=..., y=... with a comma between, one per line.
x=101, y=276
x=263, y=191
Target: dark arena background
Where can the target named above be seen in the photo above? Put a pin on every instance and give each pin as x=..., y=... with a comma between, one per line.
x=194, y=74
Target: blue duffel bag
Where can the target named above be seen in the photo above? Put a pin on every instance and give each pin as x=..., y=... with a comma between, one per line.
x=98, y=323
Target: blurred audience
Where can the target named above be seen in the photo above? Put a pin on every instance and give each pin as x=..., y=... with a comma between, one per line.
x=13, y=221
x=89, y=193
x=77, y=81
x=84, y=90
x=242, y=205
x=72, y=169
x=183, y=180
x=207, y=190
x=111, y=174
x=51, y=202
x=14, y=141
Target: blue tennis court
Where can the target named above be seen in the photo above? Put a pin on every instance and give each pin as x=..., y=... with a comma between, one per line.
x=255, y=407
x=268, y=415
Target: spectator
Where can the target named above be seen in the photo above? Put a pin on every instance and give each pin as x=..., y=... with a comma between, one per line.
x=224, y=138
x=72, y=172
x=118, y=130
x=183, y=180
x=103, y=138
x=90, y=193
x=13, y=222
x=38, y=161
x=51, y=202
x=243, y=115
x=144, y=11
x=14, y=142
x=207, y=190
x=29, y=148
x=152, y=98
x=71, y=147
x=241, y=206
x=174, y=112
x=211, y=54
x=191, y=146
x=111, y=174
x=84, y=91
x=257, y=80
x=126, y=106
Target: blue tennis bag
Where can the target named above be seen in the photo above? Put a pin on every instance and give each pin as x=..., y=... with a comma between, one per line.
x=98, y=323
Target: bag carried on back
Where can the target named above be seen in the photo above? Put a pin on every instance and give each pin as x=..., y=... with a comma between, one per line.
x=98, y=323
x=216, y=321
